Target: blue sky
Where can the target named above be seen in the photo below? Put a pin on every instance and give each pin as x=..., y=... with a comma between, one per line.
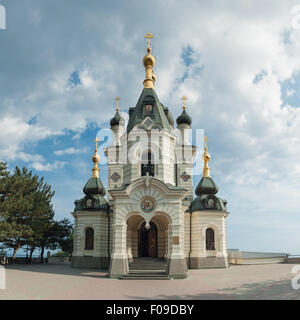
x=64, y=62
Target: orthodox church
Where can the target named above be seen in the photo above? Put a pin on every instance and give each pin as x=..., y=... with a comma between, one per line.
x=150, y=220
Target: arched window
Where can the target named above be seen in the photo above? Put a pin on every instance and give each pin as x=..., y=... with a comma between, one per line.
x=210, y=239
x=89, y=239
x=211, y=203
x=147, y=164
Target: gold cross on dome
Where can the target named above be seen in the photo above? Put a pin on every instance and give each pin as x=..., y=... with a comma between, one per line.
x=184, y=99
x=118, y=103
x=149, y=36
x=96, y=142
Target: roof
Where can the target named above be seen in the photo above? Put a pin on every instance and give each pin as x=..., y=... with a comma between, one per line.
x=158, y=115
x=184, y=118
x=94, y=186
x=116, y=120
x=208, y=202
x=206, y=186
x=94, y=199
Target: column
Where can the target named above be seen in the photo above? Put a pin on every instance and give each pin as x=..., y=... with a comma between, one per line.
x=119, y=260
x=177, y=263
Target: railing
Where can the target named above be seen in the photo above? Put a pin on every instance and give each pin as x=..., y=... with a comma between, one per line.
x=293, y=258
x=21, y=260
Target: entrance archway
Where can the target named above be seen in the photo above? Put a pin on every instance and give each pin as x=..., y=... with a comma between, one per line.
x=148, y=241
x=158, y=230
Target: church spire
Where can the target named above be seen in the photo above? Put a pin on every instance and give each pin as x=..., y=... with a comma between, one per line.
x=96, y=160
x=206, y=159
x=184, y=118
x=184, y=99
x=149, y=62
x=118, y=104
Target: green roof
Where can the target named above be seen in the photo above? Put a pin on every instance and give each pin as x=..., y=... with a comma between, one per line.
x=208, y=202
x=206, y=197
x=116, y=120
x=184, y=118
x=94, y=199
x=137, y=115
x=206, y=186
x=94, y=186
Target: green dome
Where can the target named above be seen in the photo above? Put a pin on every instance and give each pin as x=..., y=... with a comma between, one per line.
x=206, y=186
x=184, y=118
x=94, y=199
x=206, y=199
x=94, y=186
x=117, y=120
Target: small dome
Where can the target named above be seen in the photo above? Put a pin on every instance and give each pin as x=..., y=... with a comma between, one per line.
x=168, y=115
x=94, y=186
x=206, y=186
x=117, y=120
x=184, y=118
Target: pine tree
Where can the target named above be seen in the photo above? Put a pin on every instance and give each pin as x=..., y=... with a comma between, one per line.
x=26, y=212
x=42, y=214
x=16, y=209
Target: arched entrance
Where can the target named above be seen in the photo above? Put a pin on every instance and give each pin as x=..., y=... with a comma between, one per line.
x=148, y=241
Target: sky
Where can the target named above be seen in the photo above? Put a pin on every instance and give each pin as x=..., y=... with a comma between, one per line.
x=62, y=63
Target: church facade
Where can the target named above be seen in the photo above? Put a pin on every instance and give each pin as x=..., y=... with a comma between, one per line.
x=150, y=211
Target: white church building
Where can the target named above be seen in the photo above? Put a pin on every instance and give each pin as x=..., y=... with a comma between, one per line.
x=150, y=223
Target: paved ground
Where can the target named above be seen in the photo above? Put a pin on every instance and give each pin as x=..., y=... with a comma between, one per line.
x=62, y=282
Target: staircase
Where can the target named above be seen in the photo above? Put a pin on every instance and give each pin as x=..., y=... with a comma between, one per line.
x=147, y=269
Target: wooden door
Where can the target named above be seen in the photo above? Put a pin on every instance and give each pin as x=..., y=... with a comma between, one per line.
x=152, y=241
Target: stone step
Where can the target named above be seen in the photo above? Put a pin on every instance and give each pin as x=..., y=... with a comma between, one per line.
x=145, y=276
x=142, y=267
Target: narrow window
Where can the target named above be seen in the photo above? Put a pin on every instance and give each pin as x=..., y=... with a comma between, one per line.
x=89, y=239
x=147, y=165
x=210, y=239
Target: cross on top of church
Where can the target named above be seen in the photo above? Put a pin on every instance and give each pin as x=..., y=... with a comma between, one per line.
x=149, y=36
x=184, y=99
x=96, y=142
x=118, y=103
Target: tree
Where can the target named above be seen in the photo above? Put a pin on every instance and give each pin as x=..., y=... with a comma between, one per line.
x=25, y=209
x=58, y=235
x=42, y=214
x=66, y=236
x=15, y=208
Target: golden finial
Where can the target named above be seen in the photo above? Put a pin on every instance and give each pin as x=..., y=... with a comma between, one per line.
x=118, y=103
x=206, y=159
x=184, y=99
x=149, y=62
x=149, y=36
x=96, y=160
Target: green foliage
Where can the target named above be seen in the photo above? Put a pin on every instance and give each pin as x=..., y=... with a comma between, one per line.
x=60, y=254
x=27, y=215
x=25, y=208
x=58, y=235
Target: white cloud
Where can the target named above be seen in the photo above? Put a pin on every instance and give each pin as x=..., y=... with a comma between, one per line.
x=290, y=92
x=68, y=151
x=49, y=166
